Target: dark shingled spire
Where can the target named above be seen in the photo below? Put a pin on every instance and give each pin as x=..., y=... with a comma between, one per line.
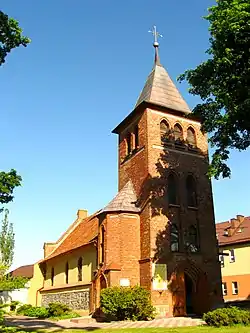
x=124, y=201
x=159, y=89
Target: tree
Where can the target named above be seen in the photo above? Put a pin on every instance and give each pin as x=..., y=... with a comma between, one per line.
x=10, y=36
x=223, y=82
x=8, y=181
x=7, y=243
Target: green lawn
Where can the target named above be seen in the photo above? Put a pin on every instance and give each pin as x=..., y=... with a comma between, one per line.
x=160, y=330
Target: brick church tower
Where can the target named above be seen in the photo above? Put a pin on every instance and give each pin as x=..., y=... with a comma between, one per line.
x=163, y=152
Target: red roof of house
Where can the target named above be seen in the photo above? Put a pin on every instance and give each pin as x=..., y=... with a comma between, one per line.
x=24, y=271
x=228, y=233
x=84, y=233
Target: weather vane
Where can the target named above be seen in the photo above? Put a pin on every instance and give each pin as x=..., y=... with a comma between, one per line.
x=156, y=34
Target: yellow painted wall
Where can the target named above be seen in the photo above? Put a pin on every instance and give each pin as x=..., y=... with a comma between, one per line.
x=35, y=284
x=241, y=266
x=88, y=254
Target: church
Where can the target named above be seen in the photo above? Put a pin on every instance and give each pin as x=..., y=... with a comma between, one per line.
x=159, y=230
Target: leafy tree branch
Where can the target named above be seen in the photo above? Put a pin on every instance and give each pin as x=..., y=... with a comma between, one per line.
x=223, y=82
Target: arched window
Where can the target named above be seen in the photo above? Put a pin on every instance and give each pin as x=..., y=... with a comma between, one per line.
x=67, y=273
x=79, y=266
x=174, y=238
x=129, y=143
x=192, y=242
x=178, y=133
x=164, y=131
x=102, y=257
x=44, y=271
x=191, y=191
x=52, y=276
x=172, y=189
x=136, y=133
x=191, y=139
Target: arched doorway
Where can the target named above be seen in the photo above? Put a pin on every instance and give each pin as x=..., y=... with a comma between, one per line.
x=98, y=284
x=189, y=288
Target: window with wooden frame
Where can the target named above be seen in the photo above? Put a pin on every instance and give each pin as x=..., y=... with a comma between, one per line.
x=192, y=242
x=235, y=289
x=191, y=138
x=231, y=256
x=67, y=273
x=79, y=266
x=174, y=238
x=224, y=289
x=178, y=133
x=164, y=131
x=221, y=259
x=52, y=276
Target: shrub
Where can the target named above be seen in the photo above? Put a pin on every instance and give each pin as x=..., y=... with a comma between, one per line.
x=13, y=305
x=68, y=315
x=227, y=317
x=38, y=312
x=119, y=303
x=23, y=308
x=33, y=311
x=58, y=309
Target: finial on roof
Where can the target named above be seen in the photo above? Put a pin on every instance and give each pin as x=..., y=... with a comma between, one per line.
x=156, y=34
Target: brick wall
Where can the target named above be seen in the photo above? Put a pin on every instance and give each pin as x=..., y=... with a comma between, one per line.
x=122, y=250
x=148, y=169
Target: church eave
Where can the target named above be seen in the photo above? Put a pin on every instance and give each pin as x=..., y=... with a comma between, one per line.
x=135, y=210
x=142, y=106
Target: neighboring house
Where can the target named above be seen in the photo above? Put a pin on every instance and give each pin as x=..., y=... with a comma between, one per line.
x=234, y=247
x=24, y=271
x=159, y=231
x=23, y=295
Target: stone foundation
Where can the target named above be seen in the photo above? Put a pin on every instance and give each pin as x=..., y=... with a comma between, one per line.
x=77, y=300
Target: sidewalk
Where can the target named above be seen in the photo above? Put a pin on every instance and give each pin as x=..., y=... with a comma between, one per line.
x=89, y=323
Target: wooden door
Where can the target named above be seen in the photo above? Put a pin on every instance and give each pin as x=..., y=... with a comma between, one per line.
x=178, y=294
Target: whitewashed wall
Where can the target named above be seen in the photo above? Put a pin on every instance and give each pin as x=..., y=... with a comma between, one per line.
x=20, y=295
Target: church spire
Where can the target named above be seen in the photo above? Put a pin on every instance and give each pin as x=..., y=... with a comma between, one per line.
x=156, y=34
x=159, y=89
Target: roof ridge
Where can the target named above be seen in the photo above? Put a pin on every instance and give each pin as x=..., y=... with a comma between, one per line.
x=70, y=229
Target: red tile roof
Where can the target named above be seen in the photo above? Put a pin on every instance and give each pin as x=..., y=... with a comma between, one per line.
x=24, y=271
x=84, y=233
x=228, y=234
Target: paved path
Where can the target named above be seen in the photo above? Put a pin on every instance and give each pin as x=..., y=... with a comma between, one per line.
x=90, y=324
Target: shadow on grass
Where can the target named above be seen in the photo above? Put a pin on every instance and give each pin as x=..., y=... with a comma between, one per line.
x=39, y=325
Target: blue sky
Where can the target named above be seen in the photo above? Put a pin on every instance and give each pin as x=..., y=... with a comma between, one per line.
x=63, y=94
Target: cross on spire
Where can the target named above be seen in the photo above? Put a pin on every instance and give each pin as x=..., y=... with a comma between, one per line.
x=156, y=34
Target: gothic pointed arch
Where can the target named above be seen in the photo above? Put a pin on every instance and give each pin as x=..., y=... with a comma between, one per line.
x=191, y=191
x=67, y=273
x=79, y=267
x=128, y=141
x=164, y=131
x=191, y=137
x=178, y=132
